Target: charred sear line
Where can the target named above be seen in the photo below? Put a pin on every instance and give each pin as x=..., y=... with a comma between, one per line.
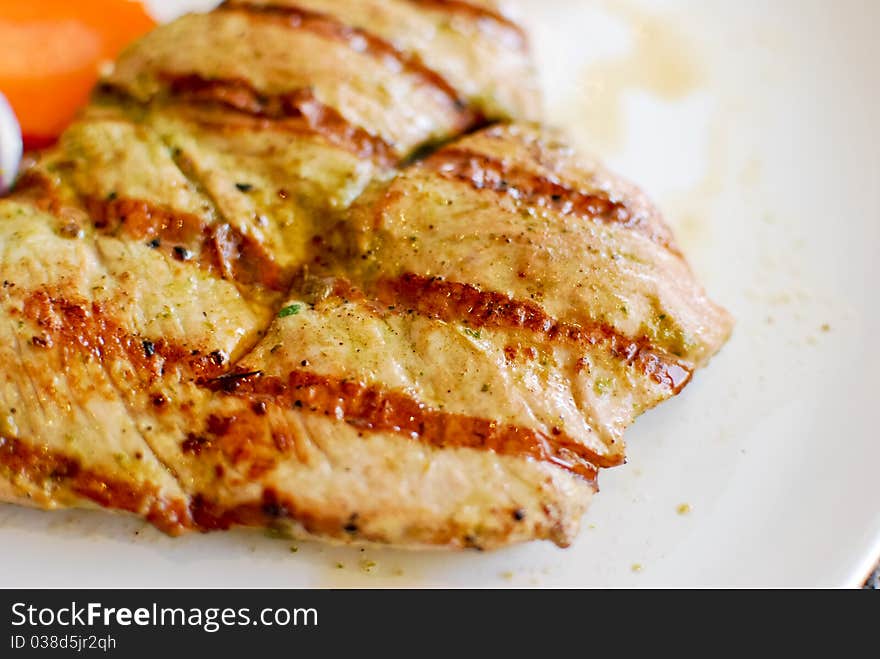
x=50, y=469
x=221, y=249
x=245, y=440
x=80, y=327
x=236, y=255
x=457, y=302
x=373, y=409
x=478, y=13
x=483, y=172
x=301, y=106
x=357, y=39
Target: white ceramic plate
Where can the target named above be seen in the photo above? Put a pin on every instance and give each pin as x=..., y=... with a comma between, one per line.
x=756, y=125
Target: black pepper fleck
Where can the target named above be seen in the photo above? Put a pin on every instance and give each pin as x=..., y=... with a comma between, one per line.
x=351, y=526
x=273, y=509
x=182, y=253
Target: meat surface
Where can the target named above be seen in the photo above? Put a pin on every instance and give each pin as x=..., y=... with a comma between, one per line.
x=311, y=265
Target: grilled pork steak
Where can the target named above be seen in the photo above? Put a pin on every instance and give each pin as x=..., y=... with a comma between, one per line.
x=248, y=288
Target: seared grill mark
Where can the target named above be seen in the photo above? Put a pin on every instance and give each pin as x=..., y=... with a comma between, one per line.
x=91, y=330
x=47, y=468
x=241, y=258
x=300, y=105
x=82, y=327
x=483, y=172
x=478, y=13
x=219, y=248
x=373, y=409
x=246, y=440
x=457, y=302
x=361, y=41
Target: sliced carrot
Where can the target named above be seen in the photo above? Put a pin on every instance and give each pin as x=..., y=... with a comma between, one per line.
x=51, y=52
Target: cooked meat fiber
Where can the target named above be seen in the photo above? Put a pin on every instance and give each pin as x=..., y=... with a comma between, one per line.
x=247, y=287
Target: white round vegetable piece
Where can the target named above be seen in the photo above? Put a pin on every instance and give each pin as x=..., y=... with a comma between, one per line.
x=10, y=145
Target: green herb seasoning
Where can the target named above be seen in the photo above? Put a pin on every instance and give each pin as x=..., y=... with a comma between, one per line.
x=292, y=310
x=602, y=386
